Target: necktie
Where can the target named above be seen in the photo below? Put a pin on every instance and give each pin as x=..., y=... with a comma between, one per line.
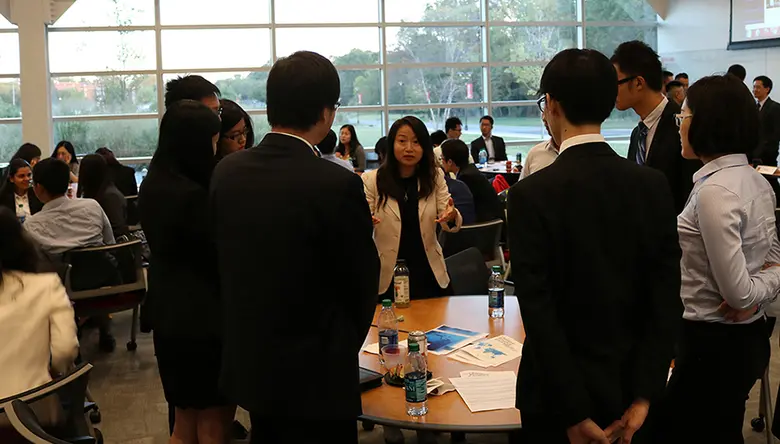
x=641, y=153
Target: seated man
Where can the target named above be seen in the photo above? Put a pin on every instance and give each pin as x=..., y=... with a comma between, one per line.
x=327, y=148
x=455, y=156
x=64, y=224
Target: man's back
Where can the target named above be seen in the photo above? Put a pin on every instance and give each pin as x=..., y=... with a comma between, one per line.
x=64, y=224
x=463, y=199
x=299, y=273
x=599, y=264
x=486, y=202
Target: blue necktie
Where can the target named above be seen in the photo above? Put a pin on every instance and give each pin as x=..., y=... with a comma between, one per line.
x=641, y=153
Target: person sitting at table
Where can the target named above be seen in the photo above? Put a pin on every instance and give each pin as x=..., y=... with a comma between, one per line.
x=122, y=176
x=381, y=149
x=237, y=132
x=95, y=183
x=28, y=152
x=408, y=197
x=16, y=193
x=327, y=147
x=494, y=145
x=350, y=149
x=66, y=153
x=487, y=205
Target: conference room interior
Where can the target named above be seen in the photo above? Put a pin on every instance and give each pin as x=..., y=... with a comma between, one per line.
x=93, y=72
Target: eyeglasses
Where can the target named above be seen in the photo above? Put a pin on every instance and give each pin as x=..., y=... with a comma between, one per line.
x=626, y=80
x=542, y=103
x=678, y=118
x=239, y=135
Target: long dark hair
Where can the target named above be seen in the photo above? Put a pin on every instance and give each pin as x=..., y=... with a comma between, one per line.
x=185, y=144
x=69, y=147
x=17, y=252
x=13, y=166
x=232, y=113
x=93, y=176
x=353, y=141
x=388, y=177
x=108, y=155
x=28, y=152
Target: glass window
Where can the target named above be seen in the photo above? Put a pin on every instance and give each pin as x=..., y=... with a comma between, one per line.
x=245, y=88
x=10, y=140
x=536, y=11
x=620, y=146
x=226, y=12
x=434, y=119
x=112, y=94
x=360, y=87
x=529, y=43
x=10, y=98
x=606, y=38
x=261, y=126
x=432, y=11
x=344, y=46
x=335, y=11
x=620, y=124
x=434, y=85
x=619, y=11
x=368, y=125
x=90, y=51
x=108, y=13
x=216, y=48
x=519, y=123
x=9, y=53
x=515, y=82
x=126, y=137
x=433, y=44
x=5, y=24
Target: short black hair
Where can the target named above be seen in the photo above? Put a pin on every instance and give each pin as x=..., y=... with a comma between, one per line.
x=452, y=123
x=192, y=87
x=737, y=70
x=328, y=144
x=488, y=118
x=674, y=84
x=380, y=148
x=299, y=88
x=725, y=118
x=53, y=175
x=636, y=58
x=682, y=75
x=766, y=81
x=667, y=74
x=438, y=137
x=456, y=151
x=566, y=75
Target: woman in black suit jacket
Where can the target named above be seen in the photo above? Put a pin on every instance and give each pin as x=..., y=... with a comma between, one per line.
x=16, y=193
x=122, y=176
x=183, y=297
x=95, y=183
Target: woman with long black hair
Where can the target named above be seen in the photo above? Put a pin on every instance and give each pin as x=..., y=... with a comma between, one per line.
x=95, y=183
x=237, y=132
x=65, y=151
x=16, y=192
x=350, y=149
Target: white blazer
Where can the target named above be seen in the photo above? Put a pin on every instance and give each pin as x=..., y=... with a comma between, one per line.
x=36, y=324
x=387, y=233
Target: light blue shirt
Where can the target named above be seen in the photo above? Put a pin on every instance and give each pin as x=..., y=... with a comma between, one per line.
x=64, y=224
x=345, y=163
x=727, y=233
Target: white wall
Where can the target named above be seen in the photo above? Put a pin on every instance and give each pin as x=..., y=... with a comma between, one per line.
x=694, y=37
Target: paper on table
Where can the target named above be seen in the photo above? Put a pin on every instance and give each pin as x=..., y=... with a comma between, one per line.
x=374, y=348
x=467, y=359
x=494, y=351
x=766, y=169
x=483, y=391
x=445, y=339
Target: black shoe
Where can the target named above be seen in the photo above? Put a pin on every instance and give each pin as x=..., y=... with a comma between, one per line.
x=238, y=431
x=107, y=343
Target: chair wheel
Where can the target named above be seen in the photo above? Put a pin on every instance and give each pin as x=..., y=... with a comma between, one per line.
x=95, y=417
x=367, y=425
x=757, y=424
x=98, y=436
x=131, y=346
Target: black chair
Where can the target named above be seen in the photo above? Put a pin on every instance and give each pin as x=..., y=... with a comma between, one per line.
x=133, y=217
x=484, y=236
x=25, y=422
x=468, y=273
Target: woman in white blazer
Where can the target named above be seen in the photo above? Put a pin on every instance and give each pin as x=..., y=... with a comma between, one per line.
x=37, y=324
x=408, y=198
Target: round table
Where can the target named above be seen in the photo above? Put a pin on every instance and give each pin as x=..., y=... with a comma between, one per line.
x=385, y=405
x=494, y=169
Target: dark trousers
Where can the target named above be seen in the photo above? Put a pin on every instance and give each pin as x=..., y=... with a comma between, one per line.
x=277, y=430
x=540, y=431
x=717, y=366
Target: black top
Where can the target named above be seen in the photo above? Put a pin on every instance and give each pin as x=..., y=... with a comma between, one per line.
x=8, y=199
x=284, y=243
x=124, y=179
x=114, y=205
x=770, y=133
x=499, y=148
x=598, y=282
x=487, y=205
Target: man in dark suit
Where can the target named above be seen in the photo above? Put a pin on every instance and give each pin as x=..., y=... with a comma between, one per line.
x=494, y=145
x=455, y=159
x=655, y=142
x=289, y=316
x=598, y=274
x=769, y=113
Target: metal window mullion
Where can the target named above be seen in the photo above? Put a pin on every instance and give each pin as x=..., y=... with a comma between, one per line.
x=436, y=65
x=102, y=29
x=142, y=72
x=515, y=103
x=487, y=87
x=95, y=117
x=428, y=106
x=272, y=20
x=561, y=23
x=159, y=62
x=215, y=26
x=10, y=120
x=581, y=16
x=384, y=74
x=210, y=70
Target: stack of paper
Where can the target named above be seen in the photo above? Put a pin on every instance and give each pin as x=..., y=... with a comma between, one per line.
x=445, y=339
x=374, y=348
x=483, y=391
x=489, y=352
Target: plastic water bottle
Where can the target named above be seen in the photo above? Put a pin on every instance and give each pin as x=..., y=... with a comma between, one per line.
x=483, y=156
x=496, y=293
x=388, y=326
x=401, y=284
x=416, y=382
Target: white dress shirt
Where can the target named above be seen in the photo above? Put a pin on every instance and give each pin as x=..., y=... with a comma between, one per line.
x=651, y=121
x=37, y=324
x=727, y=233
x=64, y=224
x=489, y=147
x=540, y=157
x=581, y=140
x=22, y=205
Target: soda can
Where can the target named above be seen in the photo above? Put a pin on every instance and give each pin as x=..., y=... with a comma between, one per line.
x=419, y=337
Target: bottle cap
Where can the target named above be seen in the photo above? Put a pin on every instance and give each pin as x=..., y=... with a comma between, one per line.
x=414, y=347
x=387, y=303
x=496, y=268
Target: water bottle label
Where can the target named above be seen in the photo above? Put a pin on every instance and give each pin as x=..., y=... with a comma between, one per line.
x=387, y=339
x=496, y=298
x=402, y=295
x=416, y=387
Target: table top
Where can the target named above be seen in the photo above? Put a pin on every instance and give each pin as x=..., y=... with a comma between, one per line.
x=497, y=168
x=385, y=405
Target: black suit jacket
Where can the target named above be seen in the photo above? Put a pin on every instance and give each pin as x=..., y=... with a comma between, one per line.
x=487, y=205
x=666, y=156
x=769, y=139
x=124, y=179
x=8, y=200
x=598, y=282
x=498, y=146
x=288, y=225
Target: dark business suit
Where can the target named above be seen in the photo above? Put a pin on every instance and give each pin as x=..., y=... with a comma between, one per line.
x=499, y=147
x=665, y=155
x=281, y=239
x=462, y=198
x=8, y=200
x=486, y=202
x=598, y=283
x=769, y=140
x=124, y=179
